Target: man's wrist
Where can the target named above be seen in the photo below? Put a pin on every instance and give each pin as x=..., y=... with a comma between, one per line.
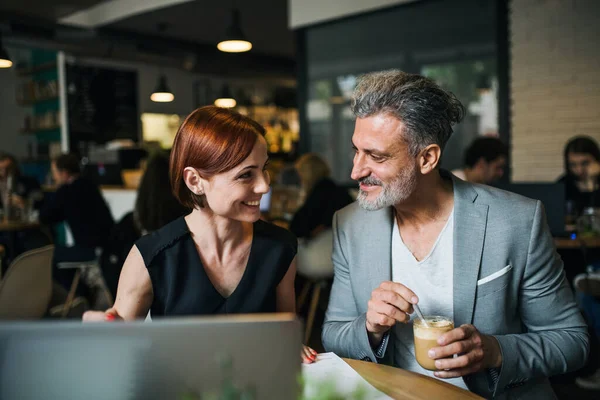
x=375, y=338
x=494, y=352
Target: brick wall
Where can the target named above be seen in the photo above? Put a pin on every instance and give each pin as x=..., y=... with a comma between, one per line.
x=555, y=82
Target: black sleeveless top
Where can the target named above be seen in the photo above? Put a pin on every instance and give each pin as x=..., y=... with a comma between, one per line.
x=182, y=287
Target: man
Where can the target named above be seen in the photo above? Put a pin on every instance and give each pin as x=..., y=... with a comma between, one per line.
x=485, y=160
x=79, y=203
x=417, y=235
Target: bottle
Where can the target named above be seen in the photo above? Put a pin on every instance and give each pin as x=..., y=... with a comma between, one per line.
x=588, y=224
x=570, y=217
x=6, y=198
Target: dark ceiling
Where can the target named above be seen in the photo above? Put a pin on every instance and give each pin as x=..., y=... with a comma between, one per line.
x=200, y=21
x=204, y=21
x=192, y=32
x=46, y=9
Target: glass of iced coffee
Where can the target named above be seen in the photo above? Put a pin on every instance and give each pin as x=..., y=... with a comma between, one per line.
x=426, y=336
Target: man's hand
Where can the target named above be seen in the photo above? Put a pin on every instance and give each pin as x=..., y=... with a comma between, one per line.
x=475, y=352
x=391, y=302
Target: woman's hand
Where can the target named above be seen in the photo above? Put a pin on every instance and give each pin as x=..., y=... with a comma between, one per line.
x=134, y=295
x=308, y=355
x=102, y=316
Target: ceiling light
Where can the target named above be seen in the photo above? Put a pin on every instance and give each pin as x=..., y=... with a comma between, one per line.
x=5, y=61
x=162, y=93
x=226, y=99
x=235, y=41
x=225, y=102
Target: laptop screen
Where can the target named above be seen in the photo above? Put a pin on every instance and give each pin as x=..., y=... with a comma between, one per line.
x=265, y=201
x=173, y=358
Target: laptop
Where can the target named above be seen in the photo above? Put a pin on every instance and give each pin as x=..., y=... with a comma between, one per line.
x=552, y=196
x=265, y=201
x=104, y=174
x=179, y=358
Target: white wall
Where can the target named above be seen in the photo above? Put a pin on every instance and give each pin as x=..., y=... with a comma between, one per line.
x=555, y=82
x=308, y=12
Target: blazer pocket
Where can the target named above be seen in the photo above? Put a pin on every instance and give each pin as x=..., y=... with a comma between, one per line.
x=494, y=282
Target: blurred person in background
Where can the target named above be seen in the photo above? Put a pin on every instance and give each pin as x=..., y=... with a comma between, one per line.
x=155, y=206
x=323, y=197
x=79, y=203
x=582, y=173
x=221, y=258
x=24, y=194
x=485, y=161
x=21, y=187
x=312, y=225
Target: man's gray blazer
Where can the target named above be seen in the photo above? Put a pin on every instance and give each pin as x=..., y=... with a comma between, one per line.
x=528, y=307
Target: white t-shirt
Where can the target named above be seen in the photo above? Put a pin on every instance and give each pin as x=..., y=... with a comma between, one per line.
x=459, y=173
x=432, y=281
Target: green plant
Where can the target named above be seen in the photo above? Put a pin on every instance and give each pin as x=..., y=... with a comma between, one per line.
x=325, y=390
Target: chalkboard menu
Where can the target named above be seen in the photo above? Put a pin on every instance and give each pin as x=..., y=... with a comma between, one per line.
x=102, y=105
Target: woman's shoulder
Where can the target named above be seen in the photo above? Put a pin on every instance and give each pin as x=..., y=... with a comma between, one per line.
x=152, y=244
x=276, y=235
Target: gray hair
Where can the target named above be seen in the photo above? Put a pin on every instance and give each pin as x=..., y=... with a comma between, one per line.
x=426, y=110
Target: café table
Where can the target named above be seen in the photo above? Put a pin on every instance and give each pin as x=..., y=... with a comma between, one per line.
x=401, y=384
x=11, y=228
x=577, y=243
x=577, y=253
x=14, y=226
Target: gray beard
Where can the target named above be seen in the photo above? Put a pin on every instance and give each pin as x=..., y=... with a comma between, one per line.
x=391, y=194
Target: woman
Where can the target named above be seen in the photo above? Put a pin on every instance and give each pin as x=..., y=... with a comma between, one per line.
x=323, y=197
x=221, y=258
x=582, y=173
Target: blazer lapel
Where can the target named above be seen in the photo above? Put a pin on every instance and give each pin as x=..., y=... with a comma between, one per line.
x=470, y=220
x=379, y=236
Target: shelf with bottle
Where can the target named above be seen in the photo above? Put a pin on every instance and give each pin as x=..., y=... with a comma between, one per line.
x=48, y=121
x=34, y=92
x=34, y=131
x=32, y=70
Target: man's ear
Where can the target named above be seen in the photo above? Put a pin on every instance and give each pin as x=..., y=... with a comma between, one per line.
x=429, y=158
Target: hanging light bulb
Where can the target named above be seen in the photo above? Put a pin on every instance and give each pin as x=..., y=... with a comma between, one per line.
x=235, y=41
x=5, y=61
x=226, y=99
x=162, y=93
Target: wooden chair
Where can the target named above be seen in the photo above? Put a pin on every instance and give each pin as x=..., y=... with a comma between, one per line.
x=26, y=288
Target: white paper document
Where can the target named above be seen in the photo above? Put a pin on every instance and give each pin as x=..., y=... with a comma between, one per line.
x=331, y=372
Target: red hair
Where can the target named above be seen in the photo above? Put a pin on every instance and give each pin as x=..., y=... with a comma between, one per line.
x=213, y=140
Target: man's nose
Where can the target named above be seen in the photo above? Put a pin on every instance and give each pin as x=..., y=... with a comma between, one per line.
x=359, y=169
